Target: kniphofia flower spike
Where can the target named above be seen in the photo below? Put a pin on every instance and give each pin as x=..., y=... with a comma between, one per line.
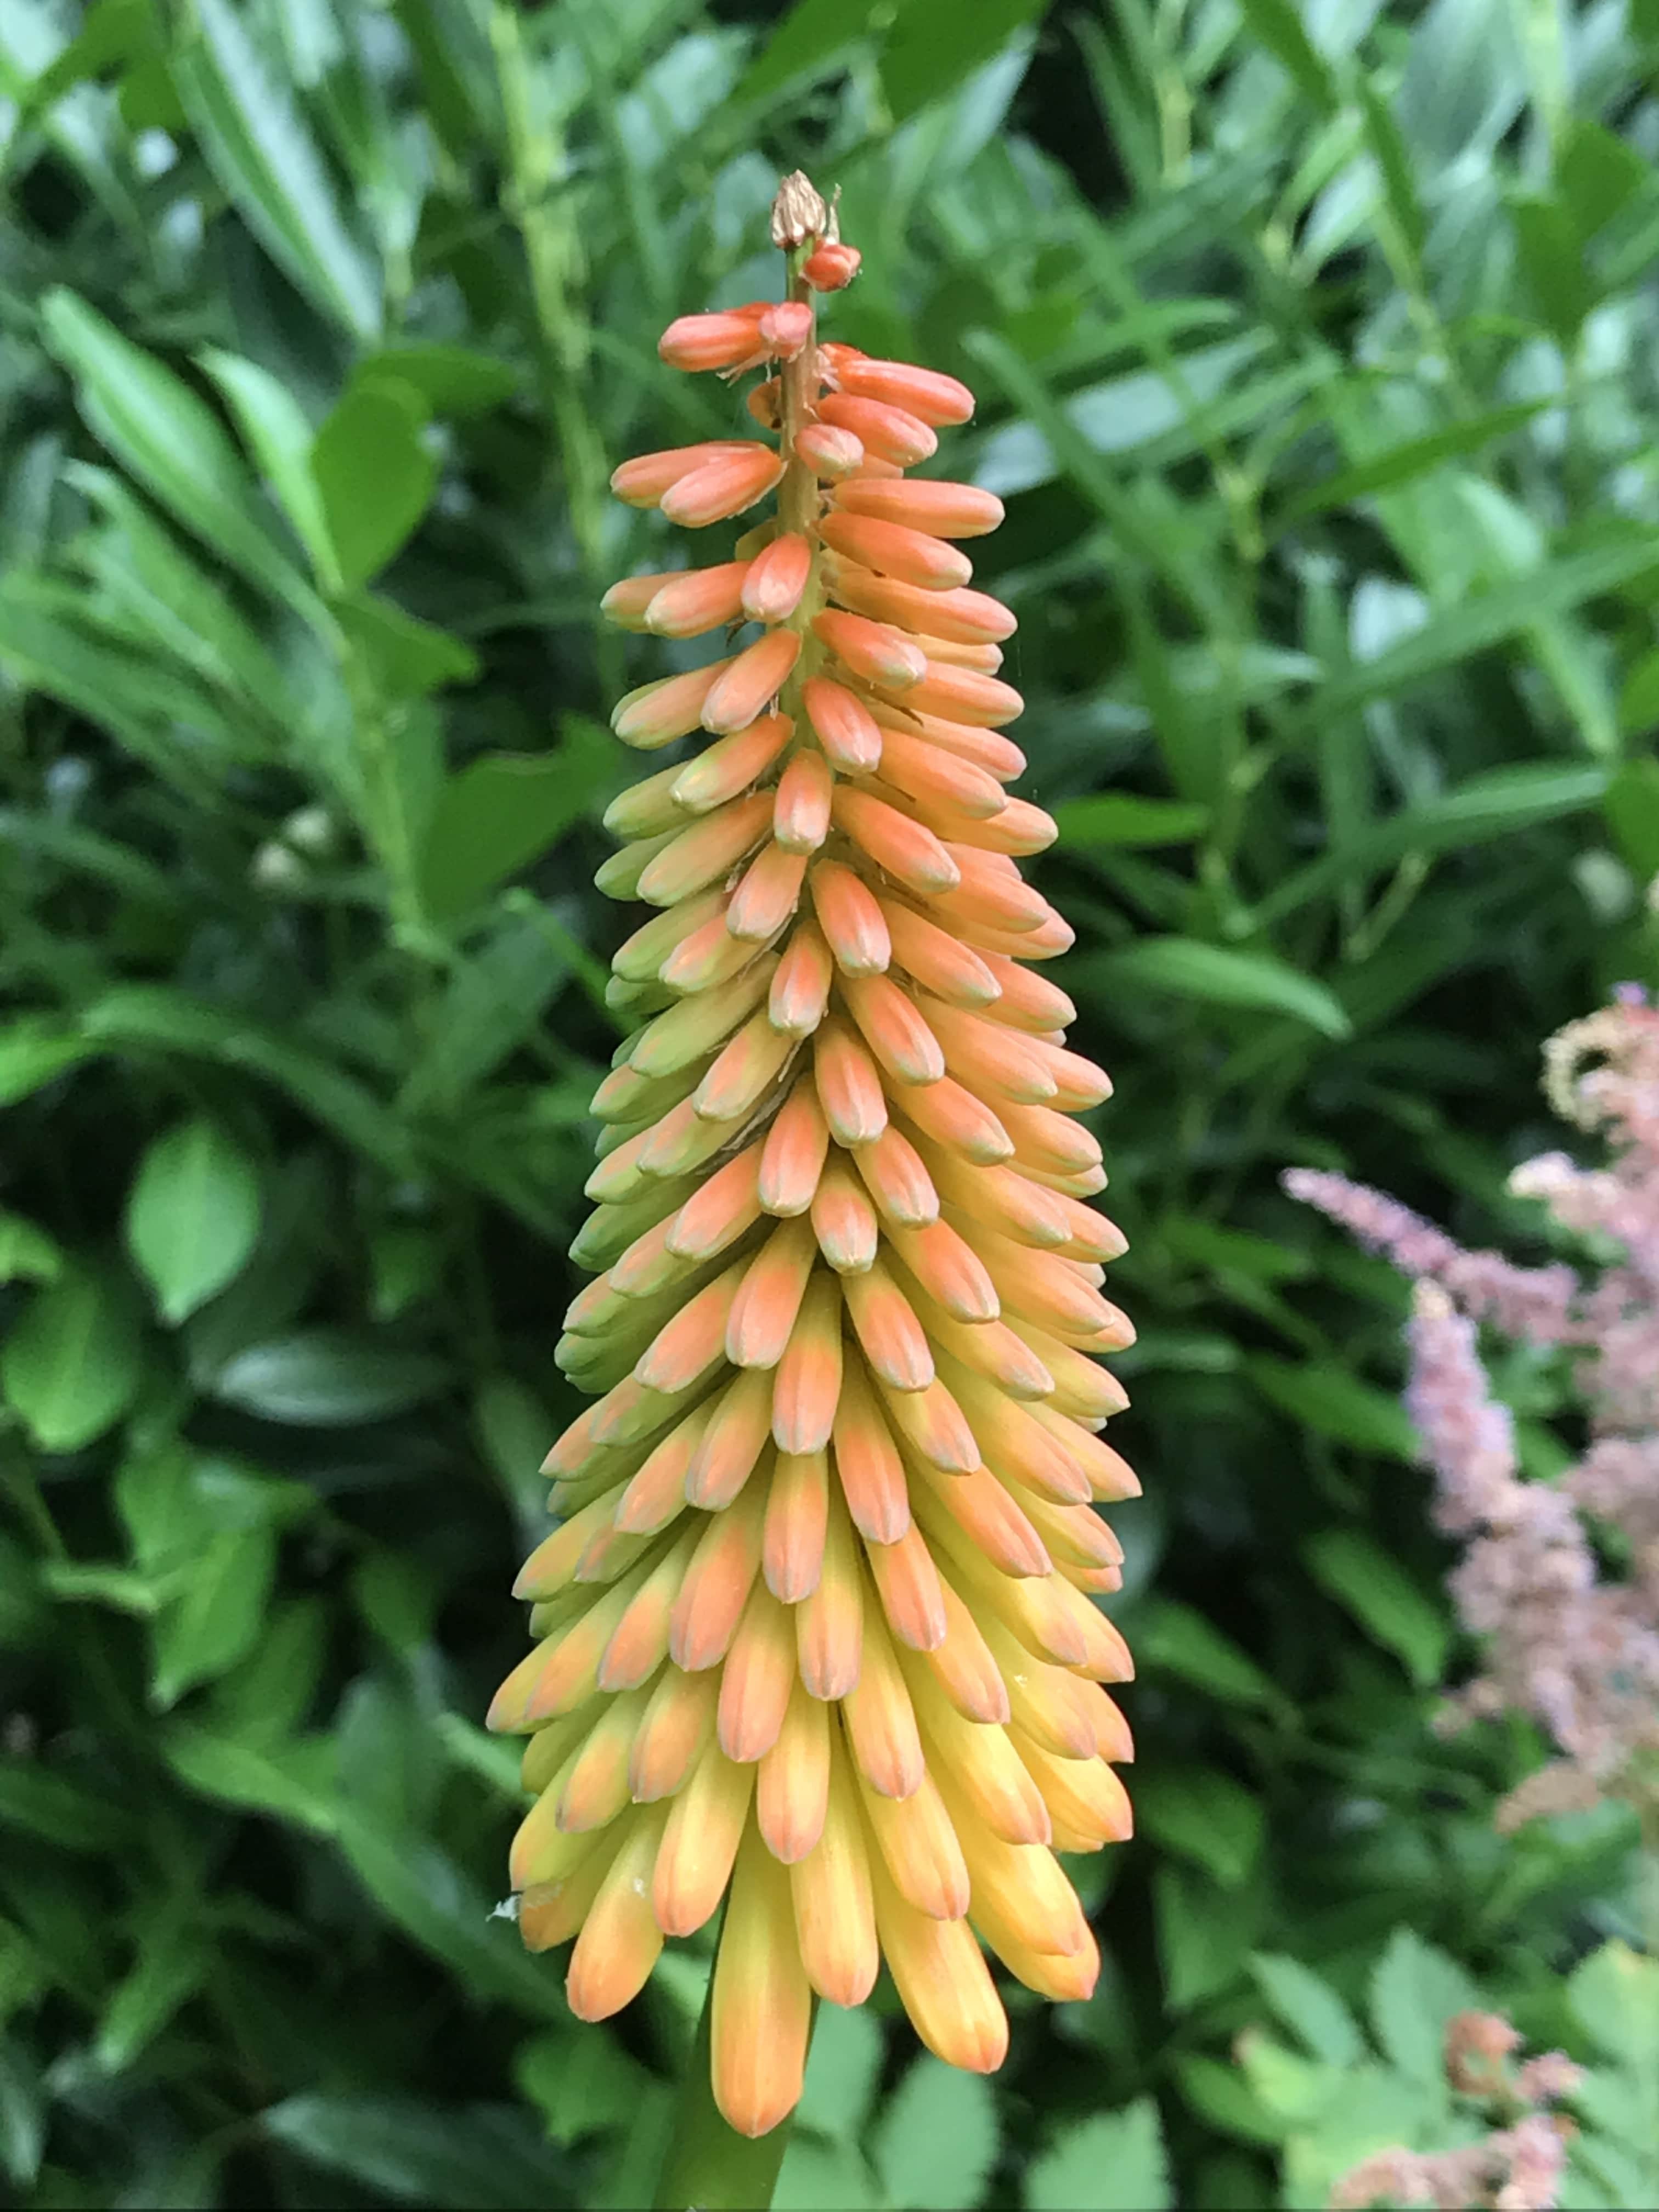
x=815, y=1634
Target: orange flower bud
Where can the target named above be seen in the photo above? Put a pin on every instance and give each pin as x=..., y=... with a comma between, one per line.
x=722, y=486
x=831, y=267
x=775, y=579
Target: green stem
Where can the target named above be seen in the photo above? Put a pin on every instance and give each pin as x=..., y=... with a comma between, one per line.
x=707, y=2165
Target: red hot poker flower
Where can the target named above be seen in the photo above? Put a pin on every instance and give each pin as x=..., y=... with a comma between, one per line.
x=815, y=1634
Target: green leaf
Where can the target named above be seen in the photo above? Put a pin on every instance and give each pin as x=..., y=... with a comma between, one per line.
x=1631, y=806
x=72, y=1365
x=478, y=2158
x=407, y=658
x=327, y=1378
x=292, y=1782
x=1383, y=1599
x=1120, y=817
x=1403, y=463
x=23, y=2115
x=1205, y=1815
x=1597, y=173
x=192, y=1215
x=842, y=2071
x=1415, y=1990
x=1614, y=1996
x=936, y=2142
x=373, y=475
x=1115, y=2162
x=152, y=423
x=217, y=1617
x=494, y=817
x=1278, y=25
x=171, y=1966
x=1310, y=2008
x=258, y=147
x=581, y=2085
x=1553, y=259
x=1214, y=975
x=34, y=1051
x=812, y=38
x=58, y=1811
x=935, y=45
x=1328, y=1400
x=26, y=1253
x=452, y=380
x=278, y=435
x=1220, y=2095
x=1182, y=1642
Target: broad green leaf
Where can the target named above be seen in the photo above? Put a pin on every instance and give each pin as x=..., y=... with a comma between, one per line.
x=1205, y=1815
x=1215, y=975
x=478, y=2158
x=1182, y=1642
x=812, y=37
x=1115, y=2162
x=1122, y=817
x=496, y=816
x=374, y=475
x=1310, y=2008
x=59, y=1811
x=192, y=1215
x=1415, y=1990
x=22, y=2115
x=1631, y=806
x=1328, y=1400
x=452, y=380
x=1383, y=1599
x=74, y=1359
x=1614, y=1995
x=26, y=1253
x=818, y=2170
x=152, y=423
x=494, y=1000
x=326, y=1378
x=276, y=432
x=258, y=145
x=1278, y=25
x=292, y=1782
x=581, y=2085
x=936, y=2141
x=932, y=46
x=842, y=2071
x=407, y=658
x=171, y=1965
x=1553, y=259
x=1403, y=463
x=34, y=1050
x=218, y=1617
x=1219, y=2094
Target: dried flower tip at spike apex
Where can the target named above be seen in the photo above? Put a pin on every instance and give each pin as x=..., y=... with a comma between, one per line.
x=799, y=212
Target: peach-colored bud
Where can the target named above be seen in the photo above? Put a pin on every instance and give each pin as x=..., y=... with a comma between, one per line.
x=769, y=891
x=762, y=1313
x=720, y=1212
x=830, y=453
x=844, y=725
x=893, y=548
x=786, y=328
x=703, y=957
x=677, y=1727
x=690, y=1344
x=642, y=481
x=625, y=602
x=639, y=1643
x=808, y=1376
x=707, y=850
x=867, y=1463
x=926, y=394
x=835, y=1916
x=894, y=1028
x=756, y=1677
x=726, y=340
x=965, y=696
x=620, y=1941
x=791, y=1791
x=657, y=713
x=800, y=820
x=722, y=487
x=724, y=769
x=949, y=1269
x=939, y=961
x=700, y=1843
x=831, y=267
x=797, y=1515
x=909, y=853
x=716, y=1586
x=697, y=599
x=801, y=989
x=933, y=777
x=731, y=1448
x=646, y=809
x=745, y=1070
x=848, y=1084
x=851, y=919
x=967, y=617
x=932, y=1424
x=986, y=1510
x=879, y=1719
x=792, y=1159
x=872, y=650
x=829, y=1621
x=843, y=1220
x=749, y=681
x=941, y=510
x=907, y=1581
x=887, y=432
x=896, y=1177
x=776, y=578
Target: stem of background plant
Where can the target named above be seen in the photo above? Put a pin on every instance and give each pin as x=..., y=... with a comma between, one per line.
x=708, y=2165
x=536, y=168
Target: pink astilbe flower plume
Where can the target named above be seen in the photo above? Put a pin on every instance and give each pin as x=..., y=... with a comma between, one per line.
x=1574, y=1649
x=816, y=1637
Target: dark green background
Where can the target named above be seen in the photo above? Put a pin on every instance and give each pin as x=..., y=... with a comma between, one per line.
x=1316, y=364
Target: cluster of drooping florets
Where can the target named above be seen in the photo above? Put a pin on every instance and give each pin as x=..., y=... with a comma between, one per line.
x=817, y=1628
x=1571, y=1645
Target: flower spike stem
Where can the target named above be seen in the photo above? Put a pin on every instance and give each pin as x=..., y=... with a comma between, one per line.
x=708, y=2165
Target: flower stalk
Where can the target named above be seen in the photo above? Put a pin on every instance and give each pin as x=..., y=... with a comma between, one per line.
x=816, y=1642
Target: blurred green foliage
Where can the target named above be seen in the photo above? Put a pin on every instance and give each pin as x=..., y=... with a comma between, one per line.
x=1317, y=362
